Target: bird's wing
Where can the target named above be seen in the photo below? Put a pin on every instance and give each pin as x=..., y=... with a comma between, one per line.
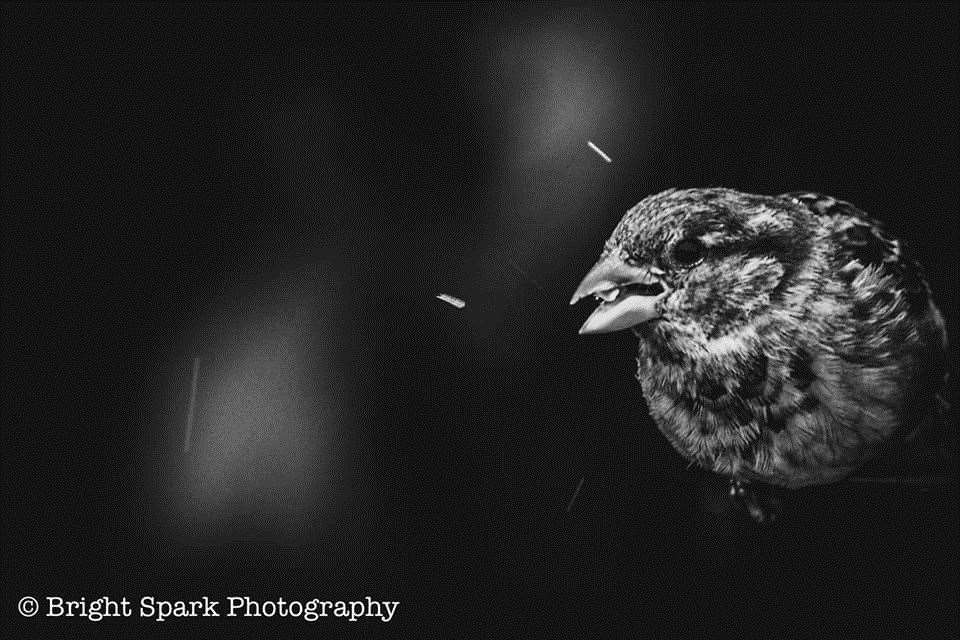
x=862, y=242
x=865, y=241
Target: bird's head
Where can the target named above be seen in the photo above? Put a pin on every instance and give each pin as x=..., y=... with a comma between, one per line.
x=695, y=265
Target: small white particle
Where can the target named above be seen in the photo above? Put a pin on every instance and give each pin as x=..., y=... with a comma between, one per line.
x=457, y=302
x=599, y=151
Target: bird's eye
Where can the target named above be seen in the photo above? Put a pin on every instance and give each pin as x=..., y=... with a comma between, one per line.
x=688, y=252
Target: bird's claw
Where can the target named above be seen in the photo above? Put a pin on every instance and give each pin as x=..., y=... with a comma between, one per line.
x=761, y=509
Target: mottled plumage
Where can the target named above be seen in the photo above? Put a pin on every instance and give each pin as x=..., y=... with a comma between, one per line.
x=785, y=339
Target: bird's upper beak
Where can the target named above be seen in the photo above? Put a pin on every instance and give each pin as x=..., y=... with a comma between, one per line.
x=628, y=295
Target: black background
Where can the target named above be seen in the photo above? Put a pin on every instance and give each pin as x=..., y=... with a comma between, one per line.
x=165, y=167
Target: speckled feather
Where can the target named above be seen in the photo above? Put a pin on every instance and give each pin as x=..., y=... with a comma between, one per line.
x=804, y=342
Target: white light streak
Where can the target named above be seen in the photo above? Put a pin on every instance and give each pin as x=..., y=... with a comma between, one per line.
x=575, y=494
x=457, y=302
x=599, y=151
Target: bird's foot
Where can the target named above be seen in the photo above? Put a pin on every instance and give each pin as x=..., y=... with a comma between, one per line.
x=763, y=507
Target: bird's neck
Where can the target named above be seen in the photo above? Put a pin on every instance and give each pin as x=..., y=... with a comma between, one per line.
x=679, y=364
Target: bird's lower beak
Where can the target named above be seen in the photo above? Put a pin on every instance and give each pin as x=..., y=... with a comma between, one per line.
x=628, y=295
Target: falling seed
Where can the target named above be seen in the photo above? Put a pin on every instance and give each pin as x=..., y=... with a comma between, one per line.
x=193, y=405
x=457, y=302
x=576, y=492
x=599, y=151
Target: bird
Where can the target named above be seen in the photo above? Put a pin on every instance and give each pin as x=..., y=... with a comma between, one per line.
x=784, y=341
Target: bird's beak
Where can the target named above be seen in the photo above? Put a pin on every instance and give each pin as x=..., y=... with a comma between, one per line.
x=628, y=295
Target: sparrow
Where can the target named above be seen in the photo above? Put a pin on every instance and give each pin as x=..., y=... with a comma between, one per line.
x=784, y=340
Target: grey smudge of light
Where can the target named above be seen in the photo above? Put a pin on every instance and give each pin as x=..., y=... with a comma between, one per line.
x=525, y=276
x=576, y=492
x=193, y=406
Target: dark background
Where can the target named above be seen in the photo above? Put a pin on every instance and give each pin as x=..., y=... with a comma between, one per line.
x=281, y=190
